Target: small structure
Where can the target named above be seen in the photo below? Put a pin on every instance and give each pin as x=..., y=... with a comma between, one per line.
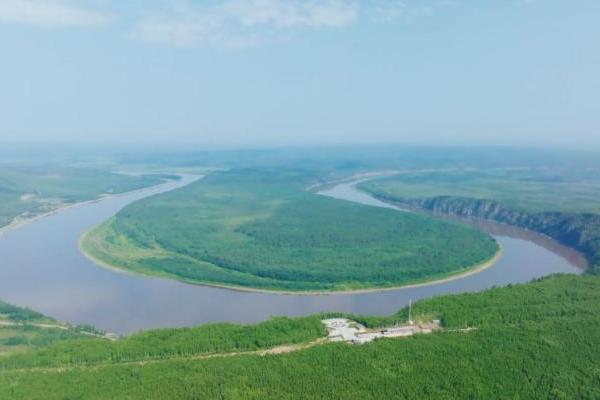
x=345, y=330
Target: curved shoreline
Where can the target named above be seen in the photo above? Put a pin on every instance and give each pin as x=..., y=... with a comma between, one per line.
x=451, y=276
x=463, y=273
x=148, y=301
x=17, y=223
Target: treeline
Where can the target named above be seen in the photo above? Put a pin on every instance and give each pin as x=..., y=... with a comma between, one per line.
x=30, y=336
x=18, y=314
x=260, y=228
x=580, y=231
x=164, y=343
x=33, y=189
x=534, y=341
x=22, y=333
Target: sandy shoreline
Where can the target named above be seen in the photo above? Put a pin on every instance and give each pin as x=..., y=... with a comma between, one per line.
x=355, y=178
x=18, y=222
x=469, y=271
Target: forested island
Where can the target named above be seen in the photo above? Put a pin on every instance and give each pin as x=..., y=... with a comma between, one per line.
x=261, y=229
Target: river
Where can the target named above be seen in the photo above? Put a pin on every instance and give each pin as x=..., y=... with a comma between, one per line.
x=41, y=267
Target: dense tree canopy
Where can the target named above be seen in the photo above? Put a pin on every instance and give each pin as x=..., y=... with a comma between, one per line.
x=261, y=229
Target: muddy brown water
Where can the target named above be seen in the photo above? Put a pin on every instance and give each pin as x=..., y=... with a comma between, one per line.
x=41, y=267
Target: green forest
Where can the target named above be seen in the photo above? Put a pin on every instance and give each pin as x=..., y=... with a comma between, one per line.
x=533, y=341
x=558, y=204
x=25, y=329
x=30, y=189
x=521, y=189
x=260, y=228
x=167, y=343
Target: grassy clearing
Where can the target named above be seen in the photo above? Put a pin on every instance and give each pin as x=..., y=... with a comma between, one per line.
x=261, y=229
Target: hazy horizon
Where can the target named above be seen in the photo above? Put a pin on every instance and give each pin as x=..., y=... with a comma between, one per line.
x=272, y=73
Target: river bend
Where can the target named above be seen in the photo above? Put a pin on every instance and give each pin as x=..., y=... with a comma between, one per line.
x=41, y=267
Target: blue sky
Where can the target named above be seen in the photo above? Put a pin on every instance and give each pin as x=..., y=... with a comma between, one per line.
x=274, y=72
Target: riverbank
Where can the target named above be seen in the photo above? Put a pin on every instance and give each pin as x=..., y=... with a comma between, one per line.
x=107, y=336
x=77, y=286
x=417, y=284
x=233, y=230
x=19, y=221
x=577, y=231
x=316, y=187
x=541, y=354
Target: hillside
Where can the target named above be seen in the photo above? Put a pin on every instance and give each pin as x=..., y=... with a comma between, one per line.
x=23, y=329
x=531, y=341
x=574, y=224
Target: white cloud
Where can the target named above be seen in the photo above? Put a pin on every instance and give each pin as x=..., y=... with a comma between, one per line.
x=174, y=31
x=244, y=23
x=49, y=13
x=247, y=23
x=388, y=10
x=393, y=10
x=291, y=14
